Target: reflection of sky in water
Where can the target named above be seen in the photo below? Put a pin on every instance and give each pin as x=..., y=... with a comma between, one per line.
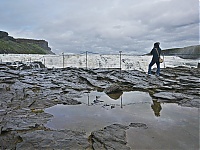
x=116, y=99
x=137, y=107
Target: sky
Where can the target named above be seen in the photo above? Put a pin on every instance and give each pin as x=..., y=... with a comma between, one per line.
x=103, y=26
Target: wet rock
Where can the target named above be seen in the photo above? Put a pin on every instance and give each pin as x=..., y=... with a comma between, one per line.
x=191, y=103
x=138, y=125
x=11, y=72
x=194, y=92
x=8, y=140
x=169, y=96
x=36, y=89
x=170, y=82
x=69, y=101
x=189, y=81
x=2, y=114
x=111, y=137
x=23, y=119
x=25, y=73
x=112, y=89
x=168, y=74
x=61, y=139
x=23, y=66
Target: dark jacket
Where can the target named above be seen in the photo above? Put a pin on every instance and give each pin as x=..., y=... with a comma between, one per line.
x=155, y=54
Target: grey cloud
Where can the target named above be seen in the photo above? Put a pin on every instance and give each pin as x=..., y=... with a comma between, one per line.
x=103, y=26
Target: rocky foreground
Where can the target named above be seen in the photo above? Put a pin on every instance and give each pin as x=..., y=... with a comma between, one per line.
x=24, y=94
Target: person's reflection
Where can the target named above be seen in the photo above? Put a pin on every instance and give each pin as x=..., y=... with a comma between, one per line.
x=156, y=108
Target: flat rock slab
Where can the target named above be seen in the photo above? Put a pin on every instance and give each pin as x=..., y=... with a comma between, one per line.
x=138, y=125
x=112, y=89
x=191, y=103
x=62, y=139
x=24, y=93
x=111, y=137
x=20, y=120
x=169, y=96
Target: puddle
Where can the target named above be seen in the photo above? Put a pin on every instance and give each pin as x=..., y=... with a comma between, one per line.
x=98, y=110
x=126, y=108
x=176, y=127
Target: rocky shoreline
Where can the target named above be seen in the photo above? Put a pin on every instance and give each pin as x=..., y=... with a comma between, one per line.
x=25, y=94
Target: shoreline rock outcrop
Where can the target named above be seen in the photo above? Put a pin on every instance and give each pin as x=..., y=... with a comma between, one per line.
x=189, y=52
x=26, y=93
x=10, y=45
x=42, y=43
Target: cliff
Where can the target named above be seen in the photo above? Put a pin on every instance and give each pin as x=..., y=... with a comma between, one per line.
x=42, y=43
x=10, y=45
x=190, y=52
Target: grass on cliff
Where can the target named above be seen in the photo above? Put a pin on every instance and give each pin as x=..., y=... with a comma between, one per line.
x=11, y=47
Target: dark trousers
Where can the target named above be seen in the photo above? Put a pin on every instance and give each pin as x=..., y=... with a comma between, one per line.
x=158, y=67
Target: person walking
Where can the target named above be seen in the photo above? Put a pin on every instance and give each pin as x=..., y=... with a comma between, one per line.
x=156, y=51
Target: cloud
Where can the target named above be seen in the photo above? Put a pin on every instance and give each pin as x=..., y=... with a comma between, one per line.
x=103, y=26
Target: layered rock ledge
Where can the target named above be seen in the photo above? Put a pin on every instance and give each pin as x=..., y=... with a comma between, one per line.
x=26, y=93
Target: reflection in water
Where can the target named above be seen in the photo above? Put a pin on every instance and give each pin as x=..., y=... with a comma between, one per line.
x=121, y=102
x=112, y=96
x=114, y=100
x=115, y=96
x=88, y=98
x=137, y=107
x=156, y=107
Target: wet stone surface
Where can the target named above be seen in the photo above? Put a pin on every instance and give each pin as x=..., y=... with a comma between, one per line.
x=60, y=139
x=24, y=95
x=111, y=137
